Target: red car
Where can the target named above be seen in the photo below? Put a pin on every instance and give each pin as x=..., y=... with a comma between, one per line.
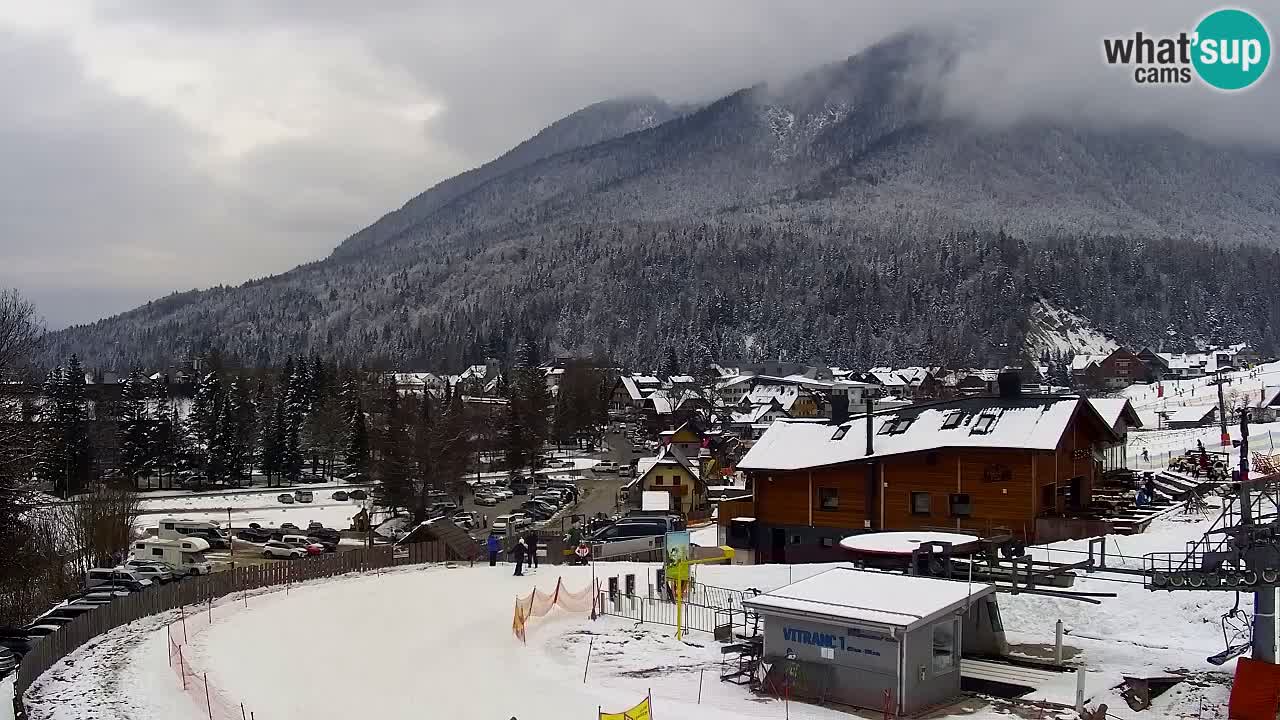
x=315, y=549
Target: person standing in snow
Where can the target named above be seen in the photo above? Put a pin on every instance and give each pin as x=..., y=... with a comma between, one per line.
x=519, y=551
x=493, y=546
x=531, y=542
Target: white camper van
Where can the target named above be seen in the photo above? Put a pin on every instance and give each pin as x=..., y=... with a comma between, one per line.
x=210, y=532
x=185, y=556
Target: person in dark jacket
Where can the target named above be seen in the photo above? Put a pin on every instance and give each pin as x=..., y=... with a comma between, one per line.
x=519, y=551
x=531, y=542
x=493, y=546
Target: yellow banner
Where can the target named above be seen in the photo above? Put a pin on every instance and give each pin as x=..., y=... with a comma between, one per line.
x=639, y=712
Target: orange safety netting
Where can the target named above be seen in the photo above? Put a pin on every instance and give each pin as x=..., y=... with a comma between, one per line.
x=538, y=604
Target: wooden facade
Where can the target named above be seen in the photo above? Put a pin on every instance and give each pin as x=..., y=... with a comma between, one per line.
x=984, y=490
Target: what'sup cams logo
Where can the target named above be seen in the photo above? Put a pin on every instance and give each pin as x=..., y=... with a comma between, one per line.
x=1228, y=50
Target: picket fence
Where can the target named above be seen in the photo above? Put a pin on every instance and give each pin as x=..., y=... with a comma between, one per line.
x=204, y=589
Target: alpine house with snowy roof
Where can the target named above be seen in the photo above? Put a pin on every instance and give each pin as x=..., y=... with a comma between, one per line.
x=1023, y=465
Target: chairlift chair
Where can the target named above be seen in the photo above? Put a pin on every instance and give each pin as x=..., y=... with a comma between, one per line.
x=1237, y=634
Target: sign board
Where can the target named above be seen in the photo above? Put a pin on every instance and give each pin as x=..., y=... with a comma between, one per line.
x=655, y=500
x=676, y=562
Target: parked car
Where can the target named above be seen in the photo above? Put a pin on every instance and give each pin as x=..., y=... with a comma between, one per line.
x=254, y=535
x=606, y=466
x=155, y=572
x=285, y=498
x=486, y=499
x=299, y=541
x=16, y=641
x=70, y=611
x=309, y=477
x=98, y=576
x=358, y=495
x=45, y=626
x=122, y=584
x=339, y=495
x=560, y=464
x=304, y=496
x=290, y=527
x=502, y=493
x=278, y=549
x=324, y=545
x=520, y=488
x=355, y=478
x=314, y=549
x=328, y=535
x=8, y=661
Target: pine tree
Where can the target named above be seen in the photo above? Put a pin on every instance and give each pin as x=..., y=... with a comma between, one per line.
x=355, y=454
x=64, y=456
x=137, y=451
x=201, y=428
x=271, y=436
x=294, y=414
x=390, y=466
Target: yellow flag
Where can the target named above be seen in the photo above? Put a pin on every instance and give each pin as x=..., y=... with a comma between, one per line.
x=639, y=712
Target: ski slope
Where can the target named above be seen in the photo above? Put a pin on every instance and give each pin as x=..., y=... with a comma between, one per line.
x=437, y=642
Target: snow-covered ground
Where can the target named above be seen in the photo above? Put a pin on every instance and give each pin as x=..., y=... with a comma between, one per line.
x=440, y=638
x=247, y=507
x=1199, y=392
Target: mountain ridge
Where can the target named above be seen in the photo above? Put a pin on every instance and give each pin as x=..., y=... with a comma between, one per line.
x=857, y=150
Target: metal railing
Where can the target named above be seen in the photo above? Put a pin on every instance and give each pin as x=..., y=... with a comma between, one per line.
x=660, y=611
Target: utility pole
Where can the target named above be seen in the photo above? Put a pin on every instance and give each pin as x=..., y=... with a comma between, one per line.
x=1264, y=598
x=1222, y=416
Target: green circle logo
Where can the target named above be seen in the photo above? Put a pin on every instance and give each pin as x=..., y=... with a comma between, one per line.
x=1232, y=49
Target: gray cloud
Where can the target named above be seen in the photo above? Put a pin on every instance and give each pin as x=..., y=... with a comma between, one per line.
x=152, y=146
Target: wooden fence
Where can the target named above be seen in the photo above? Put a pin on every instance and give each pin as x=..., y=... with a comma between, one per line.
x=203, y=589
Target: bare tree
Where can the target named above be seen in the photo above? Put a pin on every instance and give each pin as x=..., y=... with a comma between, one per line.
x=20, y=331
x=100, y=525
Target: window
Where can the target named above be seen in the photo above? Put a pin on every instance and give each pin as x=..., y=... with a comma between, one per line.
x=953, y=420
x=919, y=503
x=944, y=646
x=960, y=506
x=983, y=425
x=157, y=552
x=168, y=526
x=795, y=539
x=828, y=499
x=658, y=480
x=895, y=426
x=828, y=542
x=840, y=432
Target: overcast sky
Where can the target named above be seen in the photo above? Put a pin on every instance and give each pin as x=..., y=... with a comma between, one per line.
x=150, y=145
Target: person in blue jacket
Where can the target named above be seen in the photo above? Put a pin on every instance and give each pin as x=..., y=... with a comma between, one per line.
x=494, y=547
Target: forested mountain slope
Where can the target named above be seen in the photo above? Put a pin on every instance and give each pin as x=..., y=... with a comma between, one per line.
x=840, y=216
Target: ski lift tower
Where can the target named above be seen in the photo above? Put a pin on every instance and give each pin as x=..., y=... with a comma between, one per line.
x=1240, y=552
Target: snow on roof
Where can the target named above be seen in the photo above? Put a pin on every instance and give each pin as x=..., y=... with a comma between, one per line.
x=900, y=543
x=846, y=594
x=1193, y=414
x=1269, y=397
x=887, y=378
x=1080, y=362
x=1112, y=409
x=682, y=379
x=1026, y=422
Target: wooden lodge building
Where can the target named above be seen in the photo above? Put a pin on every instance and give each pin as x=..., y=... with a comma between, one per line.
x=1021, y=464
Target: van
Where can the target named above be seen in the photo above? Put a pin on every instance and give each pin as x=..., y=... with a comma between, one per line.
x=298, y=541
x=98, y=576
x=303, y=496
x=185, y=556
x=506, y=523
x=210, y=532
x=606, y=466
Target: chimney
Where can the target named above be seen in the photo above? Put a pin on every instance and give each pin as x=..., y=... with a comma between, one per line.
x=839, y=408
x=1010, y=383
x=870, y=445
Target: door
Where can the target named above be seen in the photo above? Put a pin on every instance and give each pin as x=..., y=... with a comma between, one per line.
x=778, y=545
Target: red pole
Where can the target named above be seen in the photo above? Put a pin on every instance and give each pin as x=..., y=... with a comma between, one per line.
x=182, y=670
x=168, y=642
x=182, y=611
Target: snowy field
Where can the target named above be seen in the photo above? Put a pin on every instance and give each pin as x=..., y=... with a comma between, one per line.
x=395, y=645
x=259, y=504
